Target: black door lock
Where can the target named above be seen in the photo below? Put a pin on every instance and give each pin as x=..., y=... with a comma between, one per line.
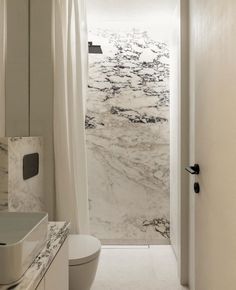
x=196, y=187
x=195, y=169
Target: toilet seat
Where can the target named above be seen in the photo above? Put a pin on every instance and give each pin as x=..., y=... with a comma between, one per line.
x=83, y=249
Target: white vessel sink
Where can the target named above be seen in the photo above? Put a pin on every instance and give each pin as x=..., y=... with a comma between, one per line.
x=22, y=237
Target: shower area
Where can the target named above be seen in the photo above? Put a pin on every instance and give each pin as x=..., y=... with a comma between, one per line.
x=127, y=121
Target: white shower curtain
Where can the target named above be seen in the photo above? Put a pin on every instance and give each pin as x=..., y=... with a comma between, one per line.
x=70, y=86
x=2, y=65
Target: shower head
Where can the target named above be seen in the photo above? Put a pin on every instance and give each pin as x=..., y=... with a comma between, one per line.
x=94, y=48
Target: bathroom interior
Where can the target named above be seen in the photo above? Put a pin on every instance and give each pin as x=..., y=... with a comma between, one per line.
x=89, y=145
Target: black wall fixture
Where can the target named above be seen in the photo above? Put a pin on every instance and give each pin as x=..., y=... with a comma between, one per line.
x=30, y=165
x=94, y=48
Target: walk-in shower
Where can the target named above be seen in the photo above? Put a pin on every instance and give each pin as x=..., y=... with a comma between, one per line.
x=127, y=130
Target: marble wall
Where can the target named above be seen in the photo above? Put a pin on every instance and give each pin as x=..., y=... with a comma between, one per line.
x=127, y=130
x=17, y=194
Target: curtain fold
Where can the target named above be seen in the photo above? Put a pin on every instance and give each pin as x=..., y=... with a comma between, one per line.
x=2, y=65
x=70, y=86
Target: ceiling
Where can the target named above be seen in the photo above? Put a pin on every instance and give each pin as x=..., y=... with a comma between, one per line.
x=129, y=10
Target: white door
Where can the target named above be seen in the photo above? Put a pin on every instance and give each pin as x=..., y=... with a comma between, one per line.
x=213, y=44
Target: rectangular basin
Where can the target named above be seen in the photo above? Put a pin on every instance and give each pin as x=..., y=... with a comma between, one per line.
x=22, y=237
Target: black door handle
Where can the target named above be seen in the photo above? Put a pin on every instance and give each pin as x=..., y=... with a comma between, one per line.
x=195, y=169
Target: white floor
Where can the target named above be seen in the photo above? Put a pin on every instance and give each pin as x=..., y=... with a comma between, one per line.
x=137, y=268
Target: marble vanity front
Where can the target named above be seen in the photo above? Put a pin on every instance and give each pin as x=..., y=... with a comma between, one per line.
x=57, y=234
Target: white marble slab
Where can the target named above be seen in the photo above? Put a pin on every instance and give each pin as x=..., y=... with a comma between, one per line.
x=127, y=129
x=57, y=233
x=17, y=194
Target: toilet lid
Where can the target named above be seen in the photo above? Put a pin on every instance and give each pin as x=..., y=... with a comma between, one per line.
x=83, y=249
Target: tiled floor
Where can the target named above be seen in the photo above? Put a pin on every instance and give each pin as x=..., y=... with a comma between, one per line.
x=137, y=268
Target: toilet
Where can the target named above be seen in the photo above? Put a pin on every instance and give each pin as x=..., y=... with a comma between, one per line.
x=84, y=251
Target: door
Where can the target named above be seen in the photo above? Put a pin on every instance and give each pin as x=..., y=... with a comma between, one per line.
x=213, y=44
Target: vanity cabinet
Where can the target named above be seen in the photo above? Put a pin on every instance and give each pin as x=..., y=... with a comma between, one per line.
x=57, y=275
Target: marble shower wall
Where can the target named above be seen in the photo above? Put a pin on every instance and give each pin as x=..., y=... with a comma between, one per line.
x=127, y=129
x=17, y=194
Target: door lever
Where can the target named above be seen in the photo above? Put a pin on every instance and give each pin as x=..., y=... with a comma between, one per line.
x=193, y=169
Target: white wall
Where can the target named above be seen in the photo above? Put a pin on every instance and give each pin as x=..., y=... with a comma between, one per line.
x=17, y=69
x=184, y=137
x=179, y=140
x=153, y=15
x=175, y=133
x=192, y=155
x=29, y=79
x=2, y=65
x=124, y=10
x=41, y=89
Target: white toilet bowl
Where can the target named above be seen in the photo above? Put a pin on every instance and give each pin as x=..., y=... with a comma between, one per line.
x=84, y=254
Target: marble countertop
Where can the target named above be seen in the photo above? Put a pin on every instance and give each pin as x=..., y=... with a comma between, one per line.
x=57, y=233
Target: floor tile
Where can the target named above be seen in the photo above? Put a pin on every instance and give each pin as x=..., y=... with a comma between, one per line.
x=137, y=268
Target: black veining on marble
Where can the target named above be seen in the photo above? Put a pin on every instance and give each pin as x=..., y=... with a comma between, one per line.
x=161, y=225
x=55, y=238
x=90, y=122
x=129, y=89
x=127, y=72
x=135, y=117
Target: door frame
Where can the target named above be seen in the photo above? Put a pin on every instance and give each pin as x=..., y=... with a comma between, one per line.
x=184, y=141
x=186, y=263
